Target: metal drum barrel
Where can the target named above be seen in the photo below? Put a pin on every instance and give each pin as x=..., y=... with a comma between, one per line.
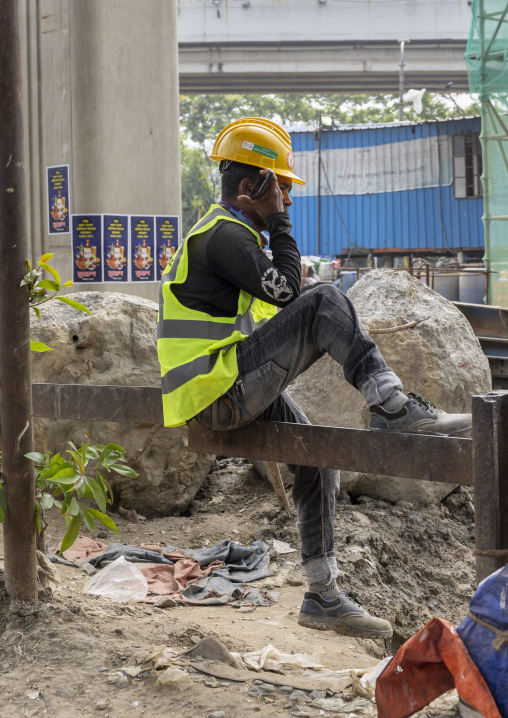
x=447, y=285
x=472, y=286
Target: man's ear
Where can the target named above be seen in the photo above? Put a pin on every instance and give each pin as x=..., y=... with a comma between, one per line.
x=245, y=186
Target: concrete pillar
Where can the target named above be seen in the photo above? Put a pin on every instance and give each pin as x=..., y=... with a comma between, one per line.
x=102, y=96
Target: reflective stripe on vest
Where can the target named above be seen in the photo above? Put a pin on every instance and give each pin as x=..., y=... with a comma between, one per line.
x=197, y=352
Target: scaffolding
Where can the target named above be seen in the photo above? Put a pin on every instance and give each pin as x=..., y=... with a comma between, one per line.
x=487, y=62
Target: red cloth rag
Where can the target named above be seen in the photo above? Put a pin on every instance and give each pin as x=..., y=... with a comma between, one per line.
x=430, y=663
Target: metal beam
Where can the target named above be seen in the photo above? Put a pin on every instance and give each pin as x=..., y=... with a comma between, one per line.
x=410, y=456
x=136, y=404
x=319, y=67
x=490, y=472
x=482, y=460
x=415, y=456
x=347, y=83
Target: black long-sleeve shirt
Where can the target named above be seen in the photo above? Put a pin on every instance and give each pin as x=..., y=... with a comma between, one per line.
x=230, y=259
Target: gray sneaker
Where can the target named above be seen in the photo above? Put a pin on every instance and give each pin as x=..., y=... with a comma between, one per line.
x=342, y=614
x=419, y=416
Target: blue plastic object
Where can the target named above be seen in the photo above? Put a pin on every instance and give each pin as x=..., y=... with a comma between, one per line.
x=346, y=281
x=490, y=604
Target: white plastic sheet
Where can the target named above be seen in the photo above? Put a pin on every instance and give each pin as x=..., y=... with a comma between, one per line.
x=120, y=581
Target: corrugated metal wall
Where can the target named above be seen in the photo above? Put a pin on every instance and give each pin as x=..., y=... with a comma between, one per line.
x=426, y=218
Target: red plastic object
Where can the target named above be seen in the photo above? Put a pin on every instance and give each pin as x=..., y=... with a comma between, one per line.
x=430, y=663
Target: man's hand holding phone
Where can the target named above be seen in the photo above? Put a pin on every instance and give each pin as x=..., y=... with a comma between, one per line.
x=264, y=197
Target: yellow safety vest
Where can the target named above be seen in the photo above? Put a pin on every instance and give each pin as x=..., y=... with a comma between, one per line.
x=197, y=352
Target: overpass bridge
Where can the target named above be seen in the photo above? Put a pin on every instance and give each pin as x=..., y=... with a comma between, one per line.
x=320, y=46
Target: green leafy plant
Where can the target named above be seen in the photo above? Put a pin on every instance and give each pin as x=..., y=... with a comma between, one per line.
x=66, y=482
x=41, y=291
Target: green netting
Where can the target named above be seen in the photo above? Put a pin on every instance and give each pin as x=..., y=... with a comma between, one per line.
x=487, y=48
x=487, y=61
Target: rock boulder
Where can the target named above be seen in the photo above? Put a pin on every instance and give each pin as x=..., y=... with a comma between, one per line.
x=117, y=345
x=440, y=358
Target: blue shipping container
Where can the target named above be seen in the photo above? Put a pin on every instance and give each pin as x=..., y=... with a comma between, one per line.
x=409, y=186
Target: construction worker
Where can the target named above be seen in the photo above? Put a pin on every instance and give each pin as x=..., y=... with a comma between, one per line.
x=227, y=354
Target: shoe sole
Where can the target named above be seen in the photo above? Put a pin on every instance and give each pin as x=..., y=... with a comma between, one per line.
x=327, y=624
x=464, y=433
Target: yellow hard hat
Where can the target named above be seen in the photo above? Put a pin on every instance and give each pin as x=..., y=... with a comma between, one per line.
x=258, y=142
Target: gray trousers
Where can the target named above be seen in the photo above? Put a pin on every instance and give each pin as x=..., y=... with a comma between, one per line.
x=322, y=320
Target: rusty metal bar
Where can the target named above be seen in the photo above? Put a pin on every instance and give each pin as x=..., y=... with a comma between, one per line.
x=135, y=404
x=410, y=456
x=490, y=473
x=482, y=460
x=417, y=456
x=15, y=377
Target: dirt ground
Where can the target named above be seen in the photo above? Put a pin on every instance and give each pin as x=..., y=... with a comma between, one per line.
x=406, y=564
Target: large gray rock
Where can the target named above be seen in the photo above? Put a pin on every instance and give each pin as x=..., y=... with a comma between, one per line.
x=440, y=359
x=117, y=345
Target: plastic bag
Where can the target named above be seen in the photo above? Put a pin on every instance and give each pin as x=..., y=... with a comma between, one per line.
x=120, y=581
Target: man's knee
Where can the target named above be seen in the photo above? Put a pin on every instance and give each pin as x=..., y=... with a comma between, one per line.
x=327, y=290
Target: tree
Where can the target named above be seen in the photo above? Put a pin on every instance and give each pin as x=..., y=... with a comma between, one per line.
x=199, y=188
x=204, y=116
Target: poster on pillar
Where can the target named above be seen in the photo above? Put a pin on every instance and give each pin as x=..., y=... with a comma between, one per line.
x=58, y=199
x=86, y=248
x=166, y=240
x=142, y=248
x=116, y=247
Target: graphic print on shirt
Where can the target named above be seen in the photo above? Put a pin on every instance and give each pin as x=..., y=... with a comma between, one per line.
x=276, y=286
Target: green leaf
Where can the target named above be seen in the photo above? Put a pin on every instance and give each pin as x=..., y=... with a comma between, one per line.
x=64, y=470
x=107, y=451
x=77, y=458
x=71, y=534
x=104, y=519
x=83, y=455
x=88, y=493
x=73, y=303
x=65, y=481
x=3, y=504
x=124, y=470
x=52, y=271
x=68, y=283
x=88, y=519
x=106, y=487
x=74, y=507
x=49, y=285
x=37, y=312
x=46, y=501
x=98, y=493
x=65, y=503
x=35, y=456
x=92, y=453
x=46, y=258
x=3, y=499
x=54, y=459
x=39, y=347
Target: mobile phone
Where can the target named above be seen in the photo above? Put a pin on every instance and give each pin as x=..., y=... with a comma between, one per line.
x=261, y=185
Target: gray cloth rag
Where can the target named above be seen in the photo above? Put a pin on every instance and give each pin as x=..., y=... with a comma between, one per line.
x=243, y=563
x=213, y=590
